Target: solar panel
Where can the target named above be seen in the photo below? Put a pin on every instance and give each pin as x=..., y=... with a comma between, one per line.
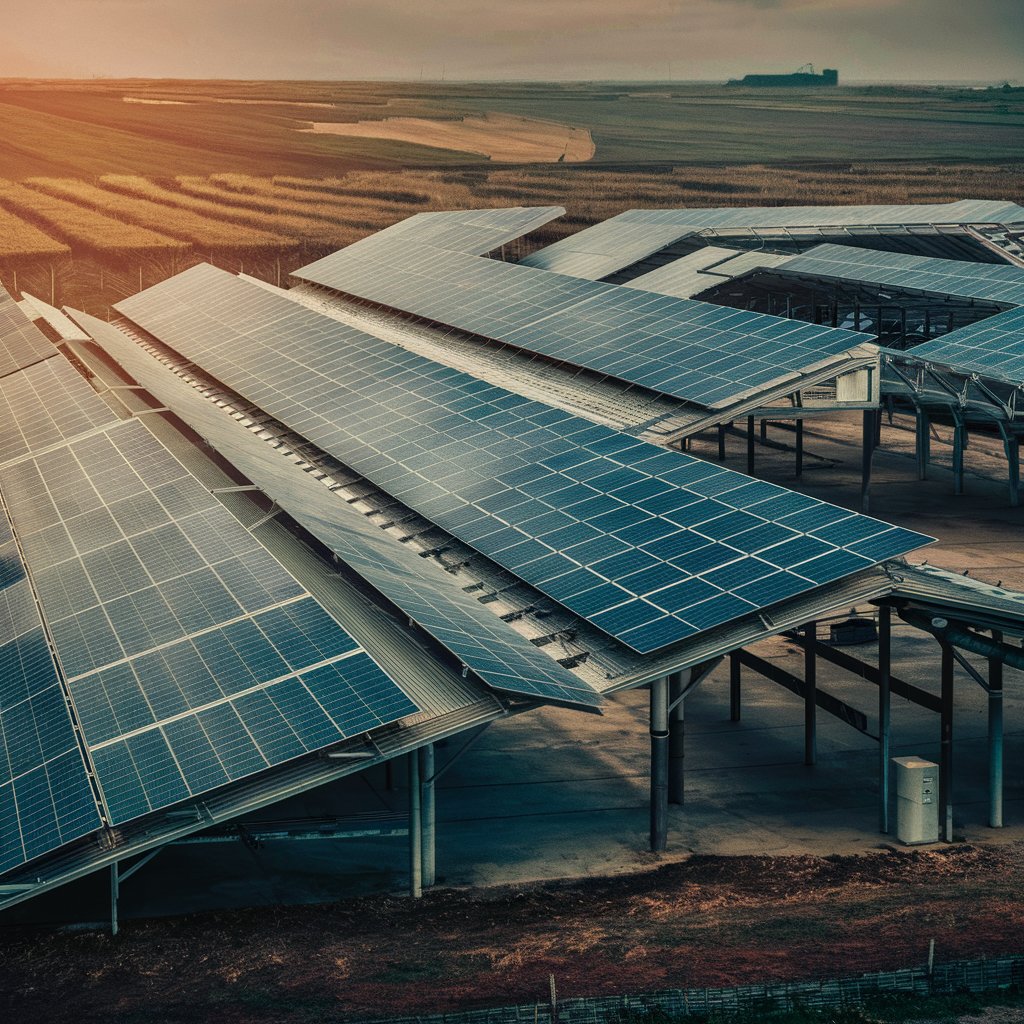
x=993, y=282
x=647, y=544
x=500, y=656
x=193, y=658
x=45, y=796
x=46, y=404
x=698, y=352
x=621, y=241
x=21, y=342
x=993, y=348
x=468, y=231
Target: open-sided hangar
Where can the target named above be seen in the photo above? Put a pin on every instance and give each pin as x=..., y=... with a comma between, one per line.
x=259, y=540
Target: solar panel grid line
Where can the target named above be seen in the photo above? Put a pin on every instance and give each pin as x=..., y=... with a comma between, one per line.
x=464, y=435
x=76, y=487
x=487, y=645
x=22, y=344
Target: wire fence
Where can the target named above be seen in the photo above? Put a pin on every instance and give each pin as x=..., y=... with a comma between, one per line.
x=975, y=976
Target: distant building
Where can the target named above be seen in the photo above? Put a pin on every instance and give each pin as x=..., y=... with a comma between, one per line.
x=800, y=79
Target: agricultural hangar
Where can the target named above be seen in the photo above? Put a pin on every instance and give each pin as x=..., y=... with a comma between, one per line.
x=256, y=540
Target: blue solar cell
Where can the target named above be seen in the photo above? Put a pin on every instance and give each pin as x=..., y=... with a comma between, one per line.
x=385, y=375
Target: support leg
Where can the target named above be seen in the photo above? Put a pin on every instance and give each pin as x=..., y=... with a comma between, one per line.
x=946, y=755
x=995, y=739
x=799, y=449
x=922, y=427
x=750, y=445
x=764, y=431
x=115, y=897
x=1011, y=445
x=428, y=814
x=659, y=764
x=415, y=828
x=676, y=740
x=810, y=694
x=734, y=687
x=721, y=442
x=884, y=716
x=867, y=449
x=959, y=443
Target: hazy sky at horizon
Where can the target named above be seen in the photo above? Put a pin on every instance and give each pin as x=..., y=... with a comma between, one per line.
x=890, y=40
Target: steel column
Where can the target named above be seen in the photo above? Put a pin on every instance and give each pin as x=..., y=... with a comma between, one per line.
x=676, y=739
x=995, y=739
x=810, y=695
x=884, y=713
x=764, y=431
x=659, y=764
x=721, y=442
x=750, y=445
x=921, y=433
x=1011, y=444
x=959, y=443
x=799, y=448
x=734, y=686
x=415, y=828
x=946, y=745
x=428, y=813
x=868, y=448
x=115, y=896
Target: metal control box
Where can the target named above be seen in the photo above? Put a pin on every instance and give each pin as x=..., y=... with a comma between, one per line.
x=917, y=800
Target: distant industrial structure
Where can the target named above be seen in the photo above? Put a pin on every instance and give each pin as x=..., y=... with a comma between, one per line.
x=804, y=77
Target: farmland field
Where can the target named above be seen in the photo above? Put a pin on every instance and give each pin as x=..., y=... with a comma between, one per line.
x=106, y=184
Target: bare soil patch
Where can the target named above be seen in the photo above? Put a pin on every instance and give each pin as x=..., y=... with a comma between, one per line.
x=504, y=138
x=708, y=921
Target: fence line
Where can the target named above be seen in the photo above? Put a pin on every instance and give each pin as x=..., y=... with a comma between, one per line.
x=946, y=979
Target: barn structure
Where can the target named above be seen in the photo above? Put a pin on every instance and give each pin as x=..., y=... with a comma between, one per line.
x=259, y=539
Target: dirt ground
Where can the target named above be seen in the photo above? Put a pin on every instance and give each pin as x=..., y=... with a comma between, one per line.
x=708, y=921
x=504, y=138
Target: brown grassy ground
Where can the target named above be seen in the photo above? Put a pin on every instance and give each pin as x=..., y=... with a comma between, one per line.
x=709, y=921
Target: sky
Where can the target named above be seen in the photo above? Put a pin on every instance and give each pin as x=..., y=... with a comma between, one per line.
x=882, y=40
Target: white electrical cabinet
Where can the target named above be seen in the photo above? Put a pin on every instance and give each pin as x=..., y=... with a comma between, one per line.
x=917, y=800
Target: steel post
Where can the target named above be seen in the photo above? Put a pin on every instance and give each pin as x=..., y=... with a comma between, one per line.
x=959, y=443
x=115, y=897
x=676, y=740
x=415, y=828
x=799, y=448
x=868, y=448
x=428, y=814
x=659, y=764
x=810, y=695
x=734, y=686
x=946, y=745
x=721, y=442
x=750, y=445
x=884, y=713
x=995, y=739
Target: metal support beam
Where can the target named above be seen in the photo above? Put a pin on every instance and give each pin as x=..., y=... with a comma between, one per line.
x=884, y=713
x=428, y=814
x=959, y=444
x=415, y=828
x=115, y=896
x=676, y=739
x=867, y=450
x=659, y=764
x=995, y=739
x=735, y=667
x=923, y=439
x=810, y=695
x=799, y=448
x=1011, y=445
x=764, y=431
x=750, y=445
x=946, y=746
x=721, y=442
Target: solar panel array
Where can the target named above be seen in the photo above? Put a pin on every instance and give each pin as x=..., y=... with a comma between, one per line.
x=45, y=796
x=698, y=352
x=992, y=348
x=993, y=282
x=621, y=241
x=647, y=544
x=500, y=656
x=468, y=231
x=192, y=657
x=21, y=342
x=701, y=270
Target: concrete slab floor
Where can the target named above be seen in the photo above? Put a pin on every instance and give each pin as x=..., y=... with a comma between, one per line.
x=555, y=793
